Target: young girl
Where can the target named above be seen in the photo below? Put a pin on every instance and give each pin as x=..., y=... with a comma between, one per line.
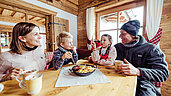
x=105, y=55
x=66, y=52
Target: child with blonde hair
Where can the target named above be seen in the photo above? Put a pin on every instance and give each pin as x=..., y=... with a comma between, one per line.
x=105, y=55
x=66, y=52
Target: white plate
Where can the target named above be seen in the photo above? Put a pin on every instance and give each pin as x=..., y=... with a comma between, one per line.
x=1, y=87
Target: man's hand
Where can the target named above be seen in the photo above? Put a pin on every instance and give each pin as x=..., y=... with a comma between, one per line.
x=128, y=69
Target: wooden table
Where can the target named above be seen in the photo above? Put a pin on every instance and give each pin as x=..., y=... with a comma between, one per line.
x=119, y=86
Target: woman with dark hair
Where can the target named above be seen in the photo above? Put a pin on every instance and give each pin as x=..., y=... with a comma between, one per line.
x=26, y=52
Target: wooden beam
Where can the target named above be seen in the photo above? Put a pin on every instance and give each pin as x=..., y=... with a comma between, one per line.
x=111, y=5
x=1, y=9
x=63, y=5
x=121, y=8
x=10, y=19
x=18, y=15
x=91, y=3
x=43, y=33
x=26, y=17
x=68, y=3
x=36, y=18
x=42, y=20
x=82, y=2
x=31, y=17
x=41, y=24
x=39, y=19
x=97, y=33
x=74, y=1
x=144, y=21
x=52, y=34
x=6, y=12
x=20, y=10
x=5, y=26
x=47, y=33
x=23, y=17
x=16, y=20
x=27, y=6
x=6, y=30
x=13, y=13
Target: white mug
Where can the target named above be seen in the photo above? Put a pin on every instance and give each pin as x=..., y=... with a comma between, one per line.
x=1, y=87
x=21, y=78
x=33, y=83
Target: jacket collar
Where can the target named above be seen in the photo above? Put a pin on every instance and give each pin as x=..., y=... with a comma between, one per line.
x=141, y=40
x=63, y=50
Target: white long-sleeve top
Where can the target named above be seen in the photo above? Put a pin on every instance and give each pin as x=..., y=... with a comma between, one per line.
x=111, y=56
x=29, y=60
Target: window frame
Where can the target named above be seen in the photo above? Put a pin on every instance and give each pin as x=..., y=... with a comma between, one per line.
x=118, y=9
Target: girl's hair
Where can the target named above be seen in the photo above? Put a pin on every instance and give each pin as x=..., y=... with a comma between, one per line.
x=20, y=29
x=62, y=37
x=109, y=37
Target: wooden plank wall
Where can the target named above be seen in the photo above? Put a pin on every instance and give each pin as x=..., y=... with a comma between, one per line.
x=81, y=30
x=62, y=25
x=165, y=43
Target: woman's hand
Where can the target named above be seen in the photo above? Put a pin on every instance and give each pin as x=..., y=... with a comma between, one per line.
x=128, y=69
x=13, y=74
x=16, y=72
x=67, y=55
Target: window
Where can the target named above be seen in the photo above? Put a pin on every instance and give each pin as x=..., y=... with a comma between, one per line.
x=111, y=23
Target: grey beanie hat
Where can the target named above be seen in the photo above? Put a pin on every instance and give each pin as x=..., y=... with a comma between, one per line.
x=132, y=27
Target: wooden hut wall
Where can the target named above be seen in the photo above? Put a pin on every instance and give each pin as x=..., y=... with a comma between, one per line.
x=165, y=43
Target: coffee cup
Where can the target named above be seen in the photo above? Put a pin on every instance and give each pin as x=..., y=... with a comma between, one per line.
x=32, y=83
x=117, y=62
x=21, y=77
x=1, y=87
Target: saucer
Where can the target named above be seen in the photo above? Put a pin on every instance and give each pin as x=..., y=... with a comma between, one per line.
x=1, y=87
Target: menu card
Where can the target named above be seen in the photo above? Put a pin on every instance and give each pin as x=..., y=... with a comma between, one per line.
x=67, y=78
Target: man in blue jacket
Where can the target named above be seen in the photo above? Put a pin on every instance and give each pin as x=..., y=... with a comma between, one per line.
x=145, y=60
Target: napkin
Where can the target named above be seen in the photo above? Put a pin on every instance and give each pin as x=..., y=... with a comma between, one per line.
x=67, y=78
